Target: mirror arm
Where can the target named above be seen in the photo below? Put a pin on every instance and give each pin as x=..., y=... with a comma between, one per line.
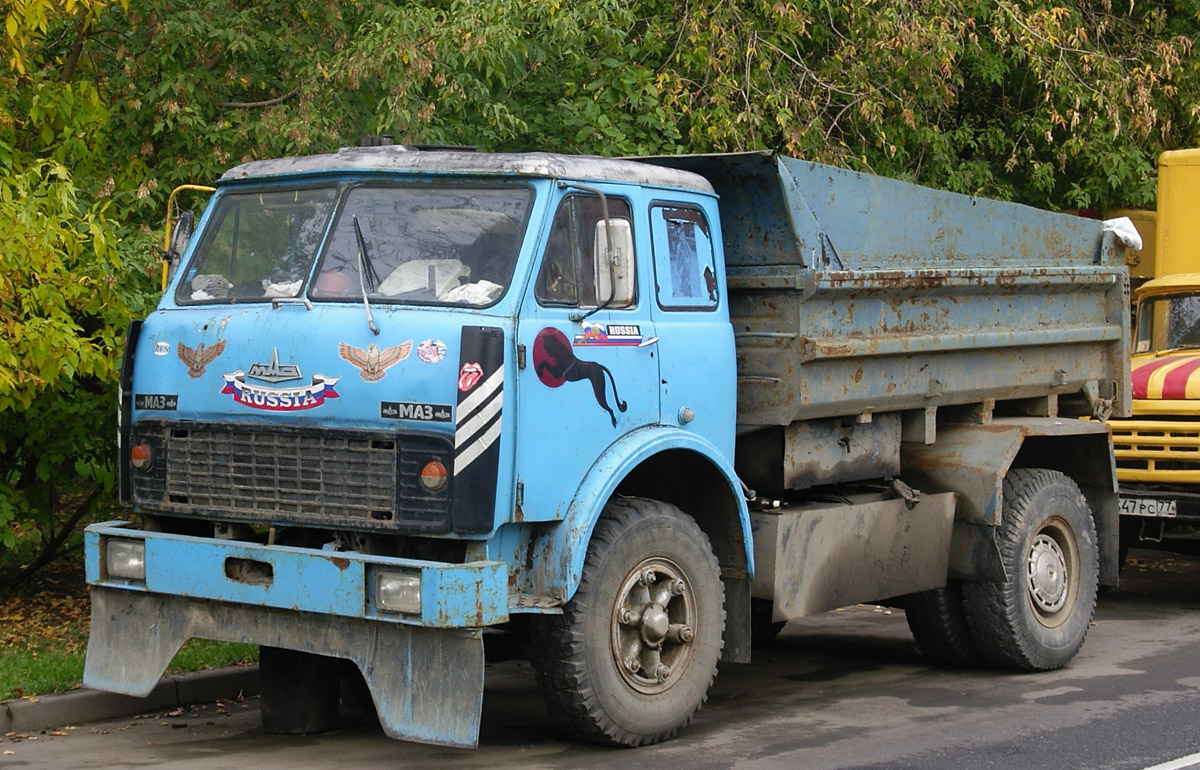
x=608, y=252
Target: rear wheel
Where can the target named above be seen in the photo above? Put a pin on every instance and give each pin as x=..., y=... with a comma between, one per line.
x=1038, y=619
x=300, y=691
x=763, y=626
x=633, y=654
x=939, y=625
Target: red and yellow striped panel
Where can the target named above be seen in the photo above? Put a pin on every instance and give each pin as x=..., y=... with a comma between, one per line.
x=1166, y=377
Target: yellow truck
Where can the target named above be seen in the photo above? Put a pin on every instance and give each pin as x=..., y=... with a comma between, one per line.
x=1158, y=449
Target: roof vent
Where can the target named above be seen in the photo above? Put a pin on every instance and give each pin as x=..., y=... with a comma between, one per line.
x=448, y=147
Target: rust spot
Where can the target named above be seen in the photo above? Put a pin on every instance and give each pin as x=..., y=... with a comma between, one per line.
x=341, y=562
x=858, y=375
x=838, y=351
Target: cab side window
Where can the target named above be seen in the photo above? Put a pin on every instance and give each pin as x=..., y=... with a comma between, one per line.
x=684, y=268
x=574, y=272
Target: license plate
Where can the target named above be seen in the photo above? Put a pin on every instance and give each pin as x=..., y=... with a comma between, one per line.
x=1147, y=506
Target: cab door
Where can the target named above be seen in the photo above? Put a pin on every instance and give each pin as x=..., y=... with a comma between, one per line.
x=690, y=310
x=590, y=371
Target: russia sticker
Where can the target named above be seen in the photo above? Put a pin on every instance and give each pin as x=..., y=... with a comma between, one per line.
x=611, y=335
x=280, y=399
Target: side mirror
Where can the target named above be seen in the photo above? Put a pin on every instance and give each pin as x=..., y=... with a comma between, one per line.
x=180, y=235
x=615, y=282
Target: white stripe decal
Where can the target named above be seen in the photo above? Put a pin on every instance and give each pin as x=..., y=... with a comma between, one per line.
x=1192, y=760
x=476, y=423
x=483, y=391
x=472, y=453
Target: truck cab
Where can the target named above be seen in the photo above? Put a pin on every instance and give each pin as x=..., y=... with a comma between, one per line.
x=378, y=381
x=1156, y=448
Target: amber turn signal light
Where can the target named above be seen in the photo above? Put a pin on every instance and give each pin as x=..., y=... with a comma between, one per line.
x=433, y=476
x=140, y=456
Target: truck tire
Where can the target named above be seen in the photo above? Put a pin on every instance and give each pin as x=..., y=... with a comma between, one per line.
x=939, y=626
x=763, y=626
x=631, y=658
x=1038, y=618
x=300, y=691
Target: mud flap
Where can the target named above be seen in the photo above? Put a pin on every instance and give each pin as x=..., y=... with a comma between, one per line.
x=427, y=684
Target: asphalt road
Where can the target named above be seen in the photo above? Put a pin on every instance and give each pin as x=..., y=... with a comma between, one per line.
x=843, y=690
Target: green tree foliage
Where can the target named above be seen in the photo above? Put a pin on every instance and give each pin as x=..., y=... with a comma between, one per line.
x=106, y=105
x=65, y=293
x=1058, y=104
x=64, y=302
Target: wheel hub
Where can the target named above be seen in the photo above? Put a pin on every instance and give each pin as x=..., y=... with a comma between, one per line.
x=655, y=625
x=652, y=626
x=1048, y=578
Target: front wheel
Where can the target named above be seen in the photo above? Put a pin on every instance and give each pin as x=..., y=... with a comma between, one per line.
x=632, y=656
x=1038, y=618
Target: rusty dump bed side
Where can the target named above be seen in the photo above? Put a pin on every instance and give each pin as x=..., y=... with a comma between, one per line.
x=855, y=294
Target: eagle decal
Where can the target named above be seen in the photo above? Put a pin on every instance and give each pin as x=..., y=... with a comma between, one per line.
x=372, y=362
x=199, y=357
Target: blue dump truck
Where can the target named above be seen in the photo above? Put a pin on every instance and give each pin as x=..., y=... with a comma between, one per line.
x=396, y=401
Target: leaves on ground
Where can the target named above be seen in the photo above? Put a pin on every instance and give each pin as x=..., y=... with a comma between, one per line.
x=51, y=612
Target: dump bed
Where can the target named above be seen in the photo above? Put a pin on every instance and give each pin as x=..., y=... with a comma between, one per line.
x=854, y=294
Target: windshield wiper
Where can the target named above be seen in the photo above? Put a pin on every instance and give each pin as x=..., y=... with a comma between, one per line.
x=366, y=272
x=1176, y=349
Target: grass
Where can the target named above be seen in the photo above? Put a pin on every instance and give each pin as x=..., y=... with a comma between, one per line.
x=43, y=637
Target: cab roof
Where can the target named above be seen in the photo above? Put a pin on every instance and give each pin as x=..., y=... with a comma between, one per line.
x=1170, y=284
x=400, y=158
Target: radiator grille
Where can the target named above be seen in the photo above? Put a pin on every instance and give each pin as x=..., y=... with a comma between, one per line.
x=1157, y=451
x=359, y=480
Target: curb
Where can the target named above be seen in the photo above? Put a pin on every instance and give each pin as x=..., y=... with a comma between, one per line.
x=31, y=715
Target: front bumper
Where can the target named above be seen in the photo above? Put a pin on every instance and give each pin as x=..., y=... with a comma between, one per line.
x=424, y=670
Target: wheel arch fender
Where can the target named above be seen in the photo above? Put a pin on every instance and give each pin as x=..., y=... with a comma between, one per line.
x=628, y=466
x=973, y=460
x=1087, y=460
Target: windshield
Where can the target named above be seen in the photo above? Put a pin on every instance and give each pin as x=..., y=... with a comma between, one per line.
x=424, y=244
x=1165, y=323
x=455, y=245
x=259, y=245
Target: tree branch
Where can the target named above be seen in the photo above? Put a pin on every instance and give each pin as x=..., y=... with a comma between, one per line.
x=72, y=60
x=257, y=105
x=51, y=551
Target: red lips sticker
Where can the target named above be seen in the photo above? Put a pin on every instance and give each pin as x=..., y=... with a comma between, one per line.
x=469, y=376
